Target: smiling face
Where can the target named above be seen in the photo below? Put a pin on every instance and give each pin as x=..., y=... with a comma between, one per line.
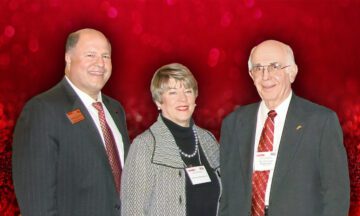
x=273, y=87
x=88, y=64
x=177, y=102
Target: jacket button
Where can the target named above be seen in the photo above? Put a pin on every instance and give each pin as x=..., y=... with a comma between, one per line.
x=180, y=200
x=180, y=174
x=117, y=206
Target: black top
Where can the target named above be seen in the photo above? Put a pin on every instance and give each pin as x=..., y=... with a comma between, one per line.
x=201, y=199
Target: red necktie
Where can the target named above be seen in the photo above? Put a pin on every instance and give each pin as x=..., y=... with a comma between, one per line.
x=260, y=178
x=110, y=146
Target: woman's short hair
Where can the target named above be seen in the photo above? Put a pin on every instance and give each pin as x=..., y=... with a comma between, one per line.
x=160, y=80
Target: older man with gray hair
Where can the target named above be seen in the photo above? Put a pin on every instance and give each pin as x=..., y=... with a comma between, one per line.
x=283, y=156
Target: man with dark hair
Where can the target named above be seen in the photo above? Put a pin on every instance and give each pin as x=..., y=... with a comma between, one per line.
x=70, y=142
x=71, y=41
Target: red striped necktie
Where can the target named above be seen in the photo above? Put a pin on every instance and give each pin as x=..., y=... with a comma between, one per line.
x=110, y=146
x=260, y=178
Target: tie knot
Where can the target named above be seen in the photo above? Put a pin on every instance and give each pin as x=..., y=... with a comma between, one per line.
x=98, y=106
x=272, y=114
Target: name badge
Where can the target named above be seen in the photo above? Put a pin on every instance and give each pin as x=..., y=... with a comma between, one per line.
x=198, y=175
x=75, y=116
x=264, y=161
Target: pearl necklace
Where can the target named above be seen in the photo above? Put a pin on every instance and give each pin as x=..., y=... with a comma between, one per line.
x=196, y=146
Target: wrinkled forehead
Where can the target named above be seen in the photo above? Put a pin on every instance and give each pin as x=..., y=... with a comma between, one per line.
x=268, y=53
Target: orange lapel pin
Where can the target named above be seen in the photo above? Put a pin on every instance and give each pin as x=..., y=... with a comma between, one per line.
x=75, y=116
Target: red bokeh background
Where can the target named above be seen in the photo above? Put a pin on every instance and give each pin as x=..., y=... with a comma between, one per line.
x=212, y=37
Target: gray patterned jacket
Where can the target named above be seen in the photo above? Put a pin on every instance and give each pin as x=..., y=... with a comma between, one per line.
x=153, y=178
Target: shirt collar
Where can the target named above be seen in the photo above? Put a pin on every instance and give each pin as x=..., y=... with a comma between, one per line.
x=281, y=110
x=85, y=98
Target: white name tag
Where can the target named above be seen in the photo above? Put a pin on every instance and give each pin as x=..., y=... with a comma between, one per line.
x=264, y=161
x=198, y=175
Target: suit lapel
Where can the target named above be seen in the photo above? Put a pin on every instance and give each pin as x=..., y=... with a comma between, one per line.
x=166, y=152
x=113, y=112
x=291, y=136
x=246, y=139
x=87, y=125
x=88, y=129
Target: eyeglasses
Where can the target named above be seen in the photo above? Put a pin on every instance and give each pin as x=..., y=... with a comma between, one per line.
x=271, y=68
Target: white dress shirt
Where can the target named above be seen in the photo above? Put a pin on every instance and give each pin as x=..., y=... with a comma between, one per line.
x=279, y=122
x=87, y=101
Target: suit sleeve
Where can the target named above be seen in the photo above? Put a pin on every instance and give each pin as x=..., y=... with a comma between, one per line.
x=34, y=160
x=334, y=169
x=137, y=178
x=224, y=136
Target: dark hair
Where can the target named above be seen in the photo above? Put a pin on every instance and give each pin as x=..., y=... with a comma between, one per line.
x=71, y=41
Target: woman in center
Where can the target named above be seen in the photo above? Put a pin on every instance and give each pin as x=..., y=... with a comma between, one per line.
x=172, y=169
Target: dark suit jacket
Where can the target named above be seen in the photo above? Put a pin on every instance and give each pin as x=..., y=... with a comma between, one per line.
x=311, y=173
x=60, y=168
